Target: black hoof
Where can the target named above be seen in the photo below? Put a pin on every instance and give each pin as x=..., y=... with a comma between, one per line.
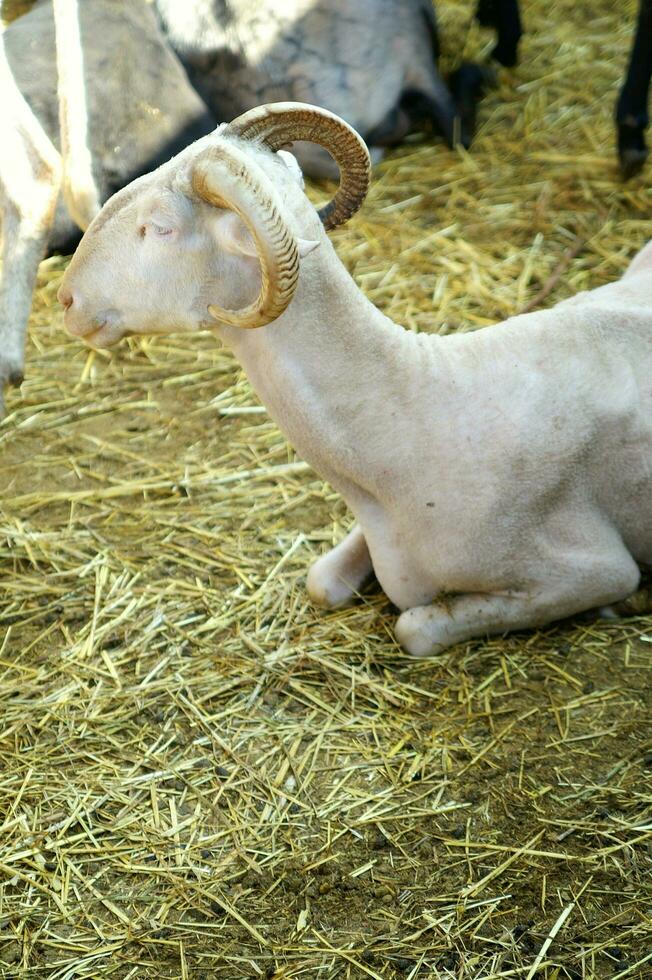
x=506, y=54
x=632, y=151
x=632, y=162
x=16, y=378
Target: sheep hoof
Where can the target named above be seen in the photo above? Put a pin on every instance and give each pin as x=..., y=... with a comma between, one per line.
x=327, y=591
x=637, y=604
x=632, y=162
x=632, y=151
x=11, y=373
x=608, y=612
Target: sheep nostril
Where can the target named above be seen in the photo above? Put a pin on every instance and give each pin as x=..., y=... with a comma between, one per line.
x=65, y=298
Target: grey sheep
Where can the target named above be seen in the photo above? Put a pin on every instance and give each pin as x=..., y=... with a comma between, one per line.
x=372, y=62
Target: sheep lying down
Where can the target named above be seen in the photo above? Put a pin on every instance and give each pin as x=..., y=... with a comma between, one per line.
x=500, y=479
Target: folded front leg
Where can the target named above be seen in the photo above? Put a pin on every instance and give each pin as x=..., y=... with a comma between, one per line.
x=336, y=577
x=427, y=630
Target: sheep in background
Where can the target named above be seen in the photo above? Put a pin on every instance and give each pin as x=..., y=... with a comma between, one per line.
x=31, y=173
x=141, y=109
x=372, y=62
x=500, y=479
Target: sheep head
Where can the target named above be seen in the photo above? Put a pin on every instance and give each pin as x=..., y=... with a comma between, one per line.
x=214, y=236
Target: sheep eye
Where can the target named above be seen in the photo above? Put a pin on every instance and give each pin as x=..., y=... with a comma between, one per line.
x=158, y=230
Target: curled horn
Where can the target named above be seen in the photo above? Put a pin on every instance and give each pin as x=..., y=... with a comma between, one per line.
x=281, y=123
x=226, y=177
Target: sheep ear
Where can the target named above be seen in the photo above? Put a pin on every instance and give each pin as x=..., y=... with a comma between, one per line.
x=293, y=166
x=234, y=236
x=305, y=247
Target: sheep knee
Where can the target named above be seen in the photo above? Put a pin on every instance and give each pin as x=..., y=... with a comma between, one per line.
x=421, y=631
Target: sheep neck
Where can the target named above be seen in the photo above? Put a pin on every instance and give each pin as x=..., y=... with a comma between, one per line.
x=330, y=371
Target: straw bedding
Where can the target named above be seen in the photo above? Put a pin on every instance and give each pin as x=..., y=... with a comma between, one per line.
x=201, y=775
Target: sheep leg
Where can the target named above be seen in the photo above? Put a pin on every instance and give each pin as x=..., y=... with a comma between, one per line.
x=335, y=578
x=78, y=185
x=468, y=84
x=505, y=16
x=631, y=109
x=427, y=630
x=30, y=175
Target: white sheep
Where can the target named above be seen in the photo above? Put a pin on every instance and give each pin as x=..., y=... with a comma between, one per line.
x=500, y=479
x=55, y=92
x=32, y=173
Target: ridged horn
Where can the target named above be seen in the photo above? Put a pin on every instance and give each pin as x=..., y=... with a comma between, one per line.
x=280, y=123
x=225, y=177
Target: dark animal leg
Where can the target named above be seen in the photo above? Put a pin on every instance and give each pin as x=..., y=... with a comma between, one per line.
x=505, y=16
x=631, y=109
x=468, y=84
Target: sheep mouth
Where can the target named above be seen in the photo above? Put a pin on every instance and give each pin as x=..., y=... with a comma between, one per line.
x=103, y=336
x=101, y=332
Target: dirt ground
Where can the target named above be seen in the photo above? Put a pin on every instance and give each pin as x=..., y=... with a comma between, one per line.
x=203, y=776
